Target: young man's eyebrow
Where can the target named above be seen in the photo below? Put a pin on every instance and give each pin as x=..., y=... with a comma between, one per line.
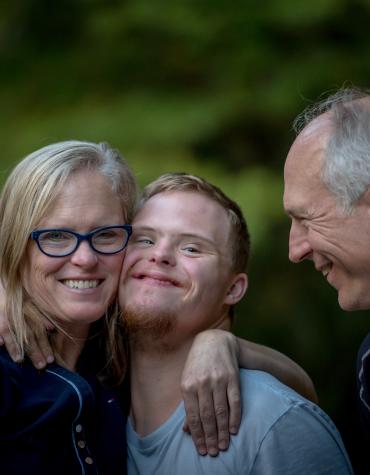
x=190, y=235
x=196, y=237
x=141, y=227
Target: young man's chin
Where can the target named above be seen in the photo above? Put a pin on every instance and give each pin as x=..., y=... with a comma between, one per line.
x=148, y=322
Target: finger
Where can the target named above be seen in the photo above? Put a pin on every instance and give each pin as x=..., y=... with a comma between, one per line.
x=235, y=408
x=185, y=427
x=222, y=417
x=34, y=352
x=12, y=347
x=208, y=419
x=7, y=339
x=48, y=325
x=193, y=421
x=45, y=347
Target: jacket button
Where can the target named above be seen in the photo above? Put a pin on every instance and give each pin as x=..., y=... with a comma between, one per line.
x=78, y=428
x=81, y=444
x=89, y=460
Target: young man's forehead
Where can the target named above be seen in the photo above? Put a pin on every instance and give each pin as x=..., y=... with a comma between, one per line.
x=179, y=199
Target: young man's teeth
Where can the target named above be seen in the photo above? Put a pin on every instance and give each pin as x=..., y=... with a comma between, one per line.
x=81, y=284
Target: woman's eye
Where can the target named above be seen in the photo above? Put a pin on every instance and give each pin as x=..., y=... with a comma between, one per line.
x=55, y=236
x=106, y=236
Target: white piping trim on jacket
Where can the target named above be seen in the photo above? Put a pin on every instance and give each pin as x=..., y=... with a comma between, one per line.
x=78, y=415
x=360, y=375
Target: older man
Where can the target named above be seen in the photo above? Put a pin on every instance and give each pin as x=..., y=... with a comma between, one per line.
x=327, y=196
x=184, y=270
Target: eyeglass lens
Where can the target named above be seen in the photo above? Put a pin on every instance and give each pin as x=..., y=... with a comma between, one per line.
x=107, y=240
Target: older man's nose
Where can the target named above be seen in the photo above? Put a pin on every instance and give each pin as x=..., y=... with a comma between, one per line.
x=299, y=245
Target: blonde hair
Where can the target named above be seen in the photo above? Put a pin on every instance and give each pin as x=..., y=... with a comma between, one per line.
x=27, y=195
x=239, y=242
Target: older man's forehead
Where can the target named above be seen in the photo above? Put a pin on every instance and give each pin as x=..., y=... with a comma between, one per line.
x=303, y=167
x=318, y=130
x=305, y=161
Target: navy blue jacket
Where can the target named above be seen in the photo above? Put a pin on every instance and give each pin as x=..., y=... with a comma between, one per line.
x=56, y=422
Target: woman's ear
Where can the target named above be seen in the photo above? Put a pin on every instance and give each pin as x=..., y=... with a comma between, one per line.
x=237, y=289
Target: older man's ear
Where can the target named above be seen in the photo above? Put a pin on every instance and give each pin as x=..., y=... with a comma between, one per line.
x=237, y=289
x=365, y=199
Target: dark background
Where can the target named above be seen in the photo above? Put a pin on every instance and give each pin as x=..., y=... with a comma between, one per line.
x=209, y=87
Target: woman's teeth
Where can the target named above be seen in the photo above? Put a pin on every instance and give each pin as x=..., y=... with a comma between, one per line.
x=81, y=284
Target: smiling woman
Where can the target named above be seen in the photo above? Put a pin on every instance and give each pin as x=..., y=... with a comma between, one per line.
x=75, y=185
x=62, y=238
x=76, y=287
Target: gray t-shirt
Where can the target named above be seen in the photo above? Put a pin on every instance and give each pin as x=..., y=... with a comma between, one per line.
x=281, y=433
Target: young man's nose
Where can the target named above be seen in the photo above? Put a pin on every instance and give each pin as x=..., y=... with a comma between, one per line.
x=163, y=253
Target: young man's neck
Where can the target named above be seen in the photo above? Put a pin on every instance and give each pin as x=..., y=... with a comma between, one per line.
x=155, y=383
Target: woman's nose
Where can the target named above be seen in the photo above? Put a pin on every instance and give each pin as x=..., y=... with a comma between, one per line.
x=84, y=255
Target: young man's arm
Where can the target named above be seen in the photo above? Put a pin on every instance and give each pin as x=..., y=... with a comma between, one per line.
x=255, y=356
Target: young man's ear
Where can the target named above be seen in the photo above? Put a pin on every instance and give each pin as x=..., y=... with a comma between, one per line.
x=237, y=289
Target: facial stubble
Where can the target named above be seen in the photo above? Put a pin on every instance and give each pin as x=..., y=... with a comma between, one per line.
x=148, y=327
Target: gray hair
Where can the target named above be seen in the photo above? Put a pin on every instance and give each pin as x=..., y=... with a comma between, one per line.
x=28, y=194
x=346, y=171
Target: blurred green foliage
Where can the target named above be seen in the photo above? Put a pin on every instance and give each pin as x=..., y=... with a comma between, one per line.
x=205, y=87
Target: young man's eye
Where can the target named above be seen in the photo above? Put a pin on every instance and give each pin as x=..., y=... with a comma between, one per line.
x=143, y=240
x=191, y=249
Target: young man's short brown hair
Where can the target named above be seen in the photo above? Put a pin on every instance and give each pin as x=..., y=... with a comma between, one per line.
x=239, y=234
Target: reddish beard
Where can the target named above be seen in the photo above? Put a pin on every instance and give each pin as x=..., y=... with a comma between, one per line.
x=143, y=324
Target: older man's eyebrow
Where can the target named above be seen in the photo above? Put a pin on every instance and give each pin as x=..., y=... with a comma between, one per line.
x=295, y=213
x=288, y=211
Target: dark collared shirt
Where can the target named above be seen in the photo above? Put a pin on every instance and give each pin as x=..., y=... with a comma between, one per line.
x=56, y=422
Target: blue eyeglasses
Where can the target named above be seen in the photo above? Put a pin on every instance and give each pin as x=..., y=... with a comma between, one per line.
x=63, y=242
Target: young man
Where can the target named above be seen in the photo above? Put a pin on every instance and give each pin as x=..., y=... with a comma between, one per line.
x=184, y=270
